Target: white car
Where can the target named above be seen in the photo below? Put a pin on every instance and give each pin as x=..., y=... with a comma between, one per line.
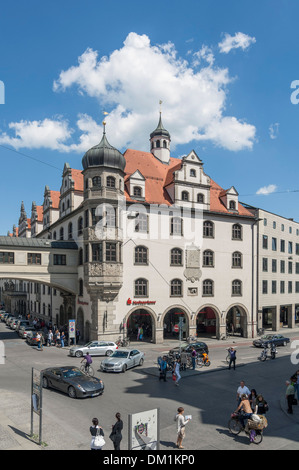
x=122, y=360
x=94, y=348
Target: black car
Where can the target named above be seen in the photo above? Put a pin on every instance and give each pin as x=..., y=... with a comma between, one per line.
x=199, y=347
x=278, y=340
x=72, y=381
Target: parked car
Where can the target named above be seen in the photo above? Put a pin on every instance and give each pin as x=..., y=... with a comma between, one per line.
x=4, y=317
x=72, y=381
x=24, y=330
x=279, y=340
x=22, y=323
x=199, y=346
x=31, y=337
x=10, y=321
x=8, y=318
x=122, y=359
x=14, y=323
x=94, y=348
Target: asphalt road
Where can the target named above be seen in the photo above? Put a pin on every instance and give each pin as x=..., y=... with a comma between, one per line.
x=209, y=395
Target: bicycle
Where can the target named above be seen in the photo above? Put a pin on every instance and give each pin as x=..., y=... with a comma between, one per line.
x=87, y=370
x=260, y=332
x=203, y=361
x=254, y=432
x=123, y=343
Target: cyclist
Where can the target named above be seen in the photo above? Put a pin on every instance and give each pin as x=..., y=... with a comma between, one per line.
x=245, y=408
x=88, y=361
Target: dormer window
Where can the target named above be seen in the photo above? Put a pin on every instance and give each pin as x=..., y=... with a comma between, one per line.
x=137, y=191
x=232, y=205
x=193, y=173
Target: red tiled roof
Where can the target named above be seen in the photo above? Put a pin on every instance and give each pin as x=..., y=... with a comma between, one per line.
x=39, y=211
x=78, y=178
x=55, y=195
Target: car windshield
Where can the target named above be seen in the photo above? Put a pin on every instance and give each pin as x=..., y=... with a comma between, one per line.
x=267, y=337
x=120, y=354
x=69, y=373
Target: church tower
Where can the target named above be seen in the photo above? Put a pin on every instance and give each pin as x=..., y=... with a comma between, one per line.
x=160, y=142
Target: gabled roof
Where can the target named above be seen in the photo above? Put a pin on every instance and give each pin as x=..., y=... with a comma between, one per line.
x=78, y=179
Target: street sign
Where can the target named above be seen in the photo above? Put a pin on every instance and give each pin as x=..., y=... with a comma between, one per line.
x=36, y=399
x=72, y=328
x=176, y=328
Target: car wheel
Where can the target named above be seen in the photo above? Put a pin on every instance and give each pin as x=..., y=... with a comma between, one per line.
x=45, y=382
x=72, y=392
x=78, y=353
x=109, y=352
x=141, y=362
x=124, y=368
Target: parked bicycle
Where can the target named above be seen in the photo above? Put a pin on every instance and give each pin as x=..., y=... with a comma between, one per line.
x=203, y=360
x=260, y=331
x=123, y=342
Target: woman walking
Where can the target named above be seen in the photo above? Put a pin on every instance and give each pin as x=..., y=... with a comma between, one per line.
x=176, y=371
x=97, y=433
x=116, y=435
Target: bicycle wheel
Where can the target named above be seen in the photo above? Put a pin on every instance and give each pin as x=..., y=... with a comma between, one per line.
x=90, y=371
x=258, y=437
x=199, y=363
x=227, y=358
x=207, y=363
x=234, y=426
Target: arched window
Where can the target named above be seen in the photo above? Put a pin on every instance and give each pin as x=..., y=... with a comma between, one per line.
x=141, y=288
x=141, y=255
x=96, y=181
x=193, y=173
x=61, y=234
x=237, y=232
x=237, y=259
x=141, y=223
x=185, y=196
x=176, y=288
x=110, y=217
x=80, y=226
x=232, y=205
x=176, y=257
x=137, y=191
x=158, y=144
x=237, y=287
x=200, y=198
x=208, y=229
x=110, y=182
x=80, y=261
x=176, y=226
x=80, y=287
x=208, y=288
x=54, y=235
x=164, y=144
x=70, y=231
x=208, y=258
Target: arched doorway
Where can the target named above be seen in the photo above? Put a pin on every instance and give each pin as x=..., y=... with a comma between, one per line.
x=206, y=322
x=140, y=318
x=171, y=323
x=236, y=321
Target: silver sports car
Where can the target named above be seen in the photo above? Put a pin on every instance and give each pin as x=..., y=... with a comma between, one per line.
x=122, y=359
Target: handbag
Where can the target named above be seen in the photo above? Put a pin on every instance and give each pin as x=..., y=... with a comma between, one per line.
x=174, y=377
x=99, y=440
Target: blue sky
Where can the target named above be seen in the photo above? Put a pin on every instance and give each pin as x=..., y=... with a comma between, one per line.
x=223, y=70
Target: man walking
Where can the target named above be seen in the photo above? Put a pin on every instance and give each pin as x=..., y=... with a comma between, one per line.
x=290, y=394
x=163, y=369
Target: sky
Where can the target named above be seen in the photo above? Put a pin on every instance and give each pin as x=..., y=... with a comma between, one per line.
x=227, y=73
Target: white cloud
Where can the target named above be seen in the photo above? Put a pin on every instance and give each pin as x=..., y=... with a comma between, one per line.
x=239, y=40
x=273, y=130
x=129, y=84
x=265, y=190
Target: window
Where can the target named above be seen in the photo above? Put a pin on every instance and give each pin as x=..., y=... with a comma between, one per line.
x=265, y=265
x=110, y=252
x=237, y=260
x=141, y=255
x=237, y=232
x=185, y=196
x=7, y=258
x=141, y=288
x=282, y=266
x=208, y=288
x=282, y=227
x=274, y=265
x=208, y=258
x=290, y=229
x=86, y=218
x=265, y=242
x=81, y=288
x=80, y=226
x=34, y=258
x=297, y=287
x=70, y=231
x=208, y=229
x=236, y=287
x=265, y=222
x=158, y=144
x=110, y=217
x=290, y=287
x=274, y=244
x=176, y=257
x=164, y=144
x=282, y=287
x=97, y=252
x=137, y=191
x=282, y=246
x=176, y=288
x=290, y=248
x=176, y=226
x=110, y=182
x=273, y=287
x=80, y=262
x=232, y=205
x=274, y=224
x=290, y=267
x=94, y=218
x=59, y=260
x=61, y=234
x=96, y=181
x=297, y=268
x=141, y=223
x=193, y=173
x=297, y=248
x=200, y=198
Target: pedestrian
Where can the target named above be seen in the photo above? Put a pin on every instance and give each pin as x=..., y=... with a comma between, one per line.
x=77, y=336
x=232, y=358
x=116, y=435
x=138, y=332
x=261, y=405
x=62, y=339
x=245, y=407
x=176, y=371
x=141, y=333
x=252, y=399
x=163, y=369
x=57, y=338
x=39, y=340
x=290, y=394
x=184, y=360
x=193, y=357
x=181, y=425
x=50, y=338
x=97, y=433
x=242, y=390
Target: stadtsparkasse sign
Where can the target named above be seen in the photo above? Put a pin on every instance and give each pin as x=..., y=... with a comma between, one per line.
x=140, y=302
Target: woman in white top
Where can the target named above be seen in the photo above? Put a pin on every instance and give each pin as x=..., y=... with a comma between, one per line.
x=181, y=424
x=176, y=370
